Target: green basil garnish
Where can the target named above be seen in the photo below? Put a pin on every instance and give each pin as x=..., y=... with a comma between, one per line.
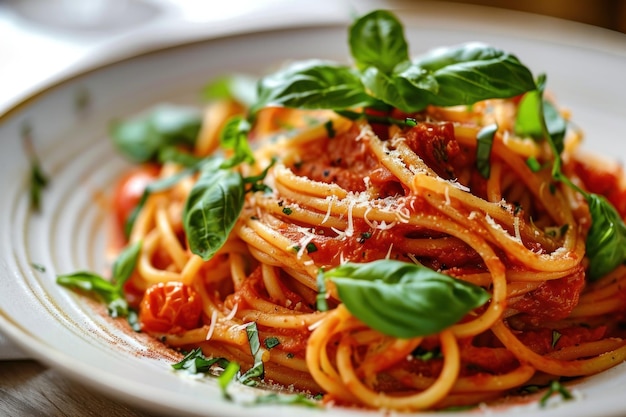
x=257, y=371
x=238, y=87
x=112, y=292
x=313, y=85
x=234, y=136
x=377, y=40
x=140, y=139
x=606, y=240
x=195, y=362
x=402, y=299
x=484, y=143
x=212, y=209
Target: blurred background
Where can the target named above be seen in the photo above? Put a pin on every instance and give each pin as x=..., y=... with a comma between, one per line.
x=42, y=38
x=610, y=14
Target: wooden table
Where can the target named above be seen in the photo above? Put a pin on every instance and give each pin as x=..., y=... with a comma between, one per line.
x=29, y=389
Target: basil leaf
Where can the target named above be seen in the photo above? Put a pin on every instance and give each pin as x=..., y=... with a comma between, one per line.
x=529, y=120
x=212, y=209
x=234, y=136
x=459, y=75
x=606, y=240
x=175, y=155
x=112, y=292
x=377, y=40
x=88, y=281
x=474, y=71
x=394, y=90
x=484, y=142
x=95, y=284
x=141, y=138
x=238, y=87
x=402, y=299
x=555, y=388
x=124, y=265
x=313, y=85
x=555, y=124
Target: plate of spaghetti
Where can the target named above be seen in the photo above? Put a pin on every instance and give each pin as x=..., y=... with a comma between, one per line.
x=417, y=220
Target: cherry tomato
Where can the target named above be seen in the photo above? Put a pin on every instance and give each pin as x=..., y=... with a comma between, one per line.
x=129, y=190
x=170, y=307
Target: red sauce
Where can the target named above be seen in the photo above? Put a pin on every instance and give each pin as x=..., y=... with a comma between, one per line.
x=436, y=144
x=603, y=182
x=552, y=300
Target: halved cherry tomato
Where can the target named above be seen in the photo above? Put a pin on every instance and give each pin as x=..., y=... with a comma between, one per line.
x=129, y=190
x=170, y=307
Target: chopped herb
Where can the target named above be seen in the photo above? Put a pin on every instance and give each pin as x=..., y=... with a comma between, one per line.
x=552, y=188
x=484, y=143
x=133, y=320
x=290, y=355
x=555, y=337
x=272, y=342
x=529, y=389
x=38, y=179
x=517, y=209
x=38, y=267
x=322, y=304
x=533, y=164
x=364, y=236
x=330, y=131
x=195, y=362
x=287, y=211
x=426, y=355
x=555, y=388
x=228, y=376
x=257, y=371
x=410, y=122
x=310, y=247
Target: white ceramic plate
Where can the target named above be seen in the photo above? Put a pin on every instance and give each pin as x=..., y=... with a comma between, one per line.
x=68, y=125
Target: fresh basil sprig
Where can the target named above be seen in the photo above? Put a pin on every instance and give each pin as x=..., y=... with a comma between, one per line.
x=140, y=139
x=606, y=239
x=402, y=299
x=112, y=292
x=458, y=75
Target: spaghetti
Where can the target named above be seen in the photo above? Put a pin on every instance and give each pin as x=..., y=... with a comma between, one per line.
x=389, y=185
